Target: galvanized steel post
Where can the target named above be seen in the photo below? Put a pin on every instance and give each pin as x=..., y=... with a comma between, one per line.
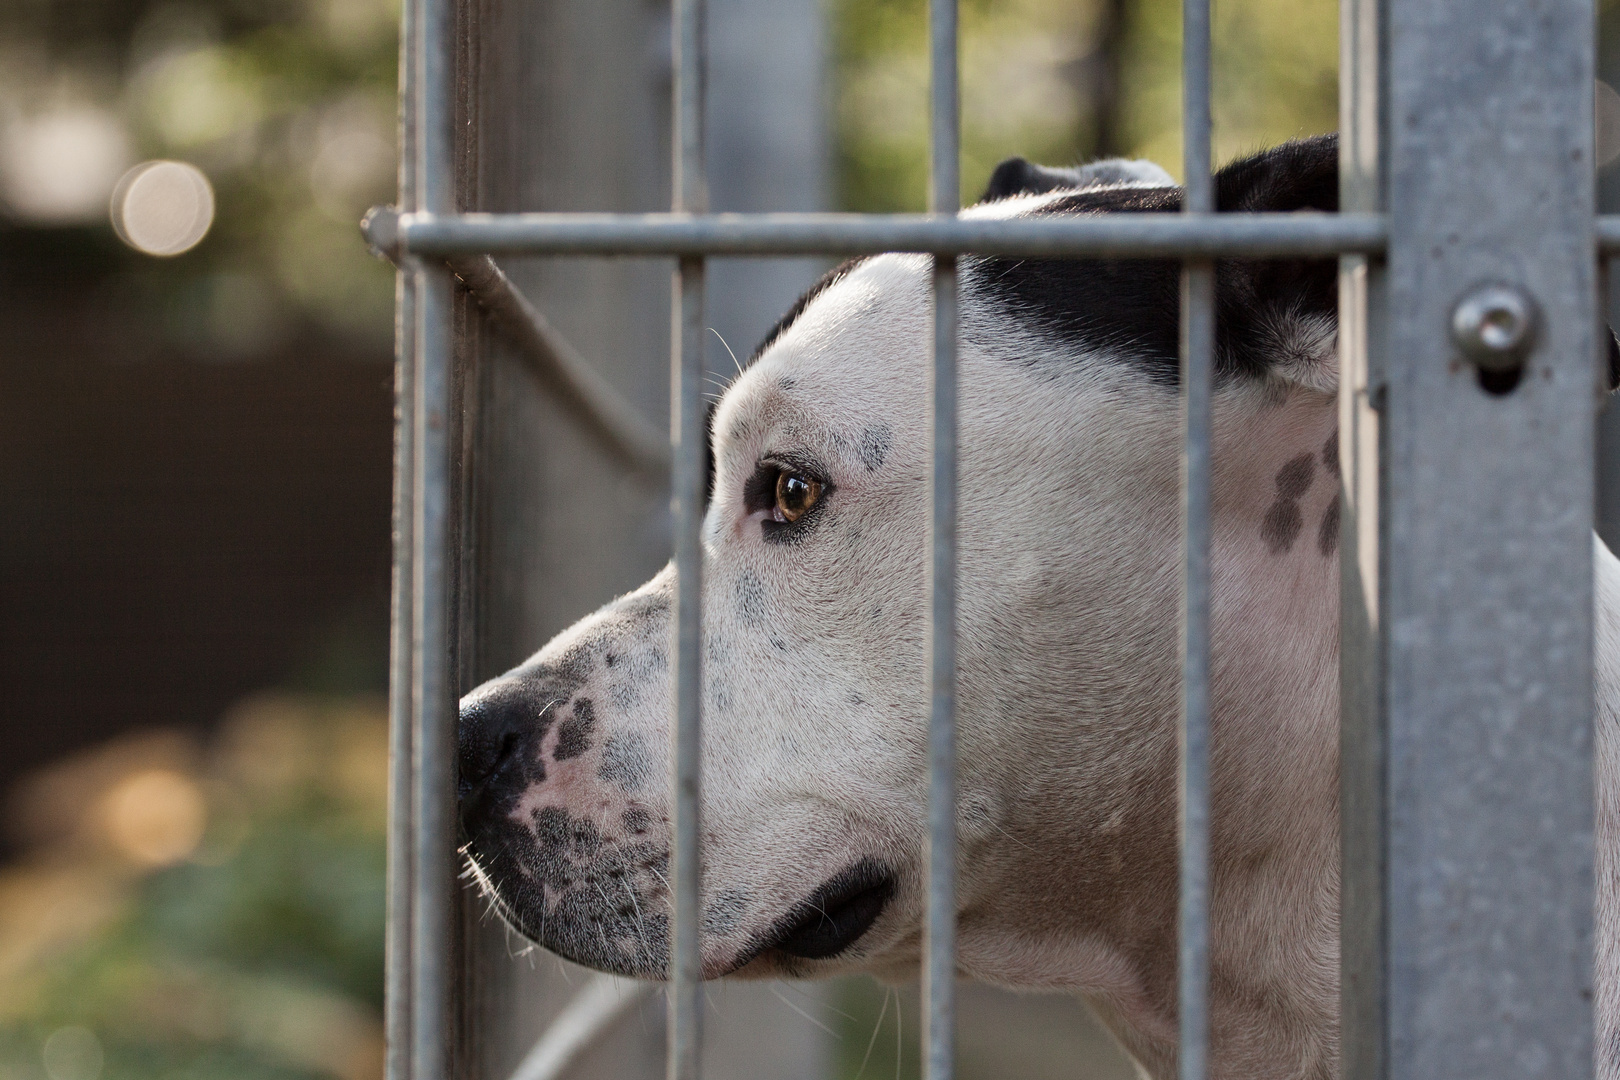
x=1485, y=531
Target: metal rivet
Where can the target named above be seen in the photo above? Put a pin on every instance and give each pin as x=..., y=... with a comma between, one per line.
x=1495, y=326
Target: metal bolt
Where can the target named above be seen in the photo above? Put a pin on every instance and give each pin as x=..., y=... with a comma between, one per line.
x=1495, y=326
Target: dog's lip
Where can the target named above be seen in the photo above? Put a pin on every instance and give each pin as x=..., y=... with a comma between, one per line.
x=833, y=917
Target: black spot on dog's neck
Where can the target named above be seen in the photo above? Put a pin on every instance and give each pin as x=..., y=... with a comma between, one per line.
x=1284, y=520
x=1327, y=537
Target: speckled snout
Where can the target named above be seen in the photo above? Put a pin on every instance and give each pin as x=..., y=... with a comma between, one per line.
x=563, y=816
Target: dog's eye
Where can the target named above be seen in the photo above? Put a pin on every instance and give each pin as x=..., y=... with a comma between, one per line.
x=794, y=495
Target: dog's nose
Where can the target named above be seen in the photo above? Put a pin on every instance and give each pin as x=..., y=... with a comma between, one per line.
x=494, y=753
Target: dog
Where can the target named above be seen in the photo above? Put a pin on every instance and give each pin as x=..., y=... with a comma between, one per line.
x=815, y=670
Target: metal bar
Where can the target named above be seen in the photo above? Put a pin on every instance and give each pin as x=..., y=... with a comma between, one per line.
x=607, y=412
x=944, y=197
x=1361, y=734
x=401, y=744
x=431, y=698
x=687, y=491
x=1197, y=381
x=589, y=1014
x=432, y=694
x=686, y=499
x=398, y=968
x=1485, y=598
x=1103, y=236
x=939, y=963
x=1608, y=234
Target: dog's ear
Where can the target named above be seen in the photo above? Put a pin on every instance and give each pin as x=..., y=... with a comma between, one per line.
x=1016, y=176
x=1281, y=313
x=1278, y=318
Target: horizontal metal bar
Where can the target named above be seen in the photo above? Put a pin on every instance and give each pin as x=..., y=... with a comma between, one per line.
x=1101, y=235
x=1608, y=234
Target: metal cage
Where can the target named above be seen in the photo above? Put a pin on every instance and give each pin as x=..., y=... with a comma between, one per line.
x=1466, y=624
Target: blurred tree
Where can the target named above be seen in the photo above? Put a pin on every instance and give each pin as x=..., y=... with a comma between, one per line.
x=236, y=929
x=286, y=105
x=1059, y=81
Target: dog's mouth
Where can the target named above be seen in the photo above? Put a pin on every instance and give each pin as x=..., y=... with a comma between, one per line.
x=835, y=915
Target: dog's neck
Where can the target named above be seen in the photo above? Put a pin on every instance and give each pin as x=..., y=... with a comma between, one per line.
x=1274, y=993
x=1275, y=718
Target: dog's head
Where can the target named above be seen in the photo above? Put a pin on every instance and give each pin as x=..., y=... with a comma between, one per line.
x=815, y=689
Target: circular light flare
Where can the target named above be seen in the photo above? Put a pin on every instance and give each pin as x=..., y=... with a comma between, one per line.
x=163, y=208
x=73, y=1053
x=57, y=168
x=156, y=817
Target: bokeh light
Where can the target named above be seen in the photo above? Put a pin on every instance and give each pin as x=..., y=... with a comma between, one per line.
x=58, y=167
x=73, y=1053
x=156, y=817
x=163, y=207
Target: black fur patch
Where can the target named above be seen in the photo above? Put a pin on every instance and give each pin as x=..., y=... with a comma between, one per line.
x=1132, y=306
x=1017, y=176
x=1327, y=537
x=574, y=734
x=1284, y=520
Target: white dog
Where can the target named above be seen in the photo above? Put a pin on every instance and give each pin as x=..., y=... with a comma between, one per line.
x=815, y=687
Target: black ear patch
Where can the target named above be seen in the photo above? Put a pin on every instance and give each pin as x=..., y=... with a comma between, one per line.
x=1016, y=176
x=1131, y=306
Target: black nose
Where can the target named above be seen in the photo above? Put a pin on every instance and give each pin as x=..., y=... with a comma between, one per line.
x=497, y=738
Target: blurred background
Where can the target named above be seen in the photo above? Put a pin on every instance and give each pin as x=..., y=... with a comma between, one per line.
x=195, y=465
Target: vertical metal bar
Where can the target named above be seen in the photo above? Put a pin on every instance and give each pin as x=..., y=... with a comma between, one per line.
x=1486, y=529
x=944, y=110
x=432, y=692
x=944, y=197
x=1361, y=727
x=401, y=744
x=1197, y=380
x=686, y=507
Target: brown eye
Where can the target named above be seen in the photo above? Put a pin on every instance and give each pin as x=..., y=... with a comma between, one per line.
x=794, y=495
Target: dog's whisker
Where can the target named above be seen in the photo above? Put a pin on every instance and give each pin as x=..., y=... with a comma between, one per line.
x=899, y=1042
x=876, y=1027
x=817, y=1000
x=783, y=999
x=734, y=359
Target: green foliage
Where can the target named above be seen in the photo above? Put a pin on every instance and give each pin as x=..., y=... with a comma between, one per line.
x=260, y=953
x=1039, y=81
x=287, y=107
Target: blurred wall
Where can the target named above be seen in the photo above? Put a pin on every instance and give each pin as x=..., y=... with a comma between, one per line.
x=178, y=530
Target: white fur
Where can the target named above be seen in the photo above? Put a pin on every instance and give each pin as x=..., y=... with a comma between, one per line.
x=815, y=682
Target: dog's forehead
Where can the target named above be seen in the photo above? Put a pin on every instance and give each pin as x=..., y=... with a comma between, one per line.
x=854, y=351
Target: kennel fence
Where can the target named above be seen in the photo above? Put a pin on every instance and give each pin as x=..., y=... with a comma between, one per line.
x=1469, y=354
